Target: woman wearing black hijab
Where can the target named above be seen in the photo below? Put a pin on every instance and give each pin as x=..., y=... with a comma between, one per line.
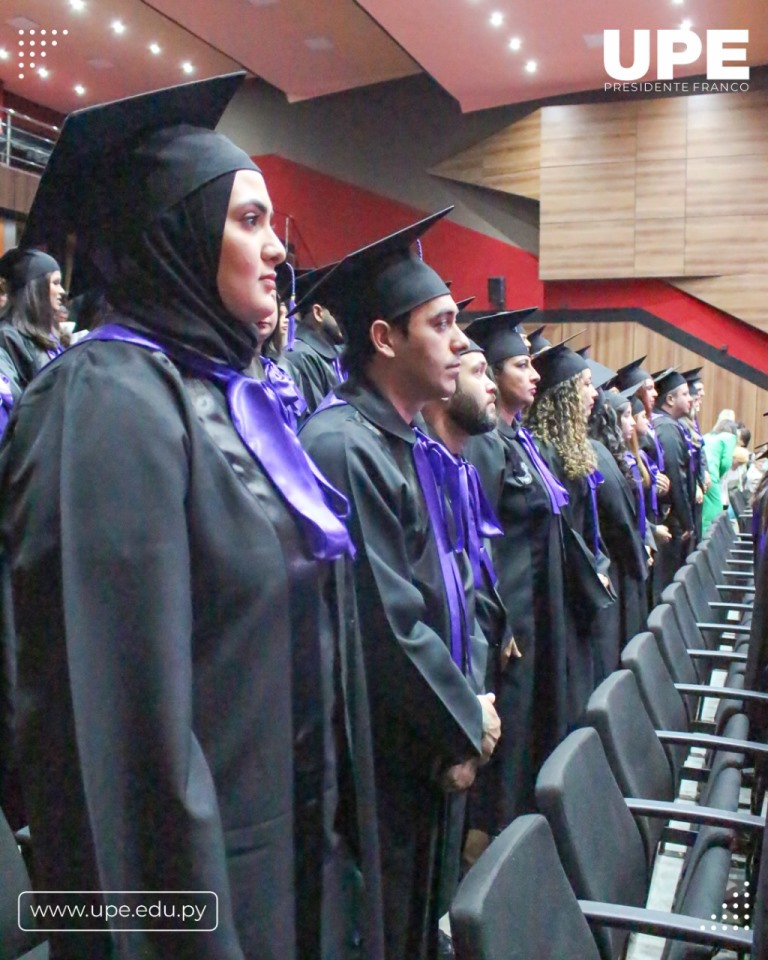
x=172, y=552
x=29, y=337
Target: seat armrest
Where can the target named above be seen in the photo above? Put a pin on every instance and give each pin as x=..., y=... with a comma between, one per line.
x=688, y=813
x=724, y=627
x=712, y=742
x=722, y=693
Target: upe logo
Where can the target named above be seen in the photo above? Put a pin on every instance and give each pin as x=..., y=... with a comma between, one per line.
x=677, y=48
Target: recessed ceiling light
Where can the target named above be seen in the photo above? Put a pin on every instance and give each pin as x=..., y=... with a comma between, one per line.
x=42, y=53
x=678, y=3
x=496, y=19
x=79, y=90
x=77, y=4
x=118, y=26
x=3, y=54
x=531, y=66
x=21, y=76
x=187, y=67
x=686, y=25
x=155, y=48
x=43, y=72
x=515, y=43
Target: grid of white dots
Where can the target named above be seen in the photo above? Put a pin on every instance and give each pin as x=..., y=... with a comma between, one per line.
x=744, y=915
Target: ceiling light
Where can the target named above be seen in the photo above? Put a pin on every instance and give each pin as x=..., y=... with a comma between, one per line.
x=496, y=19
x=155, y=48
x=118, y=26
x=79, y=90
x=686, y=25
x=678, y=3
x=515, y=43
x=53, y=43
x=531, y=66
x=77, y=4
x=21, y=76
x=187, y=67
x=43, y=72
x=3, y=53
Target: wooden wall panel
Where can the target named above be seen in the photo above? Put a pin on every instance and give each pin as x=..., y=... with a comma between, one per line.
x=17, y=189
x=610, y=128
x=659, y=247
x=617, y=343
x=661, y=130
x=660, y=189
x=596, y=191
x=727, y=186
x=723, y=245
x=727, y=124
x=742, y=295
x=564, y=248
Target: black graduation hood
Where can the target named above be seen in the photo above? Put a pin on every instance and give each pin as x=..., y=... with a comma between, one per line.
x=499, y=334
x=382, y=280
x=94, y=177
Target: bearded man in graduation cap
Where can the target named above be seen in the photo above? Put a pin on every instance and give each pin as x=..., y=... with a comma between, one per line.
x=430, y=729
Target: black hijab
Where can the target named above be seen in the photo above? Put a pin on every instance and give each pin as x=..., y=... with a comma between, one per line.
x=159, y=258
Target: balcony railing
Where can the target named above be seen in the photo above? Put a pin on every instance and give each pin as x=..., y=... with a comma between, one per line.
x=25, y=143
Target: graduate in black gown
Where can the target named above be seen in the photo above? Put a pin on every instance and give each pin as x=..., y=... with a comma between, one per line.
x=173, y=555
x=430, y=729
x=29, y=333
x=532, y=688
x=314, y=355
x=674, y=402
x=558, y=421
x=623, y=526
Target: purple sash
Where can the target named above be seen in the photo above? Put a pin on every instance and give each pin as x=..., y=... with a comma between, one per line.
x=640, y=492
x=291, y=400
x=338, y=370
x=659, y=448
x=594, y=480
x=6, y=402
x=558, y=495
x=654, y=472
x=261, y=422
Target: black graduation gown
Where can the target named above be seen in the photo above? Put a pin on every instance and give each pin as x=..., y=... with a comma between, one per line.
x=680, y=498
x=20, y=358
x=592, y=630
x=425, y=714
x=311, y=363
x=617, y=508
x=531, y=693
x=176, y=658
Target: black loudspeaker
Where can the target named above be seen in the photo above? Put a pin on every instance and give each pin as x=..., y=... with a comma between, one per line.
x=497, y=292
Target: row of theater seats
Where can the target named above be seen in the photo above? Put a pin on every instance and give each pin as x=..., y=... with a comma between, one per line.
x=572, y=882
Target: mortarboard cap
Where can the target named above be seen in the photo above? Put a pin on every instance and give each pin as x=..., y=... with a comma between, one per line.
x=382, y=280
x=631, y=375
x=668, y=382
x=538, y=341
x=463, y=304
x=637, y=405
x=691, y=376
x=662, y=373
x=558, y=364
x=19, y=267
x=500, y=335
x=119, y=165
x=618, y=398
x=601, y=375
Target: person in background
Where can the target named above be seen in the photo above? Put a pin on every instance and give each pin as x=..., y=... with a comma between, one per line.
x=419, y=628
x=699, y=457
x=673, y=403
x=719, y=446
x=30, y=336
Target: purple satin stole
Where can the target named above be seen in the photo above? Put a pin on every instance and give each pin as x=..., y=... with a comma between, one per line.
x=654, y=472
x=692, y=453
x=338, y=370
x=6, y=402
x=658, y=446
x=260, y=420
x=55, y=351
x=558, y=495
x=640, y=492
x=594, y=480
x=289, y=395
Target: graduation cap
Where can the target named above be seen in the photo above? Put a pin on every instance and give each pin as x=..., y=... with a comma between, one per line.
x=463, y=304
x=558, y=364
x=619, y=398
x=631, y=375
x=637, y=405
x=500, y=334
x=118, y=166
x=538, y=341
x=691, y=376
x=601, y=375
x=298, y=282
x=669, y=381
x=18, y=267
x=382, y=280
